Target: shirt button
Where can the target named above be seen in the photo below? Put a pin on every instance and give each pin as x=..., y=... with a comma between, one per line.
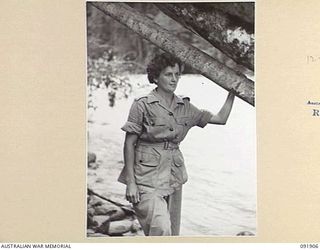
x=171, y=114
x=171, y=129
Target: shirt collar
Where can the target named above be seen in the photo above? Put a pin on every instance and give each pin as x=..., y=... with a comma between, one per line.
x=153, y=96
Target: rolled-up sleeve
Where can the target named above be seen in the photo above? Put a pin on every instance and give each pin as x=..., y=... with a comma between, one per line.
x=200, y=117
x=134, y=122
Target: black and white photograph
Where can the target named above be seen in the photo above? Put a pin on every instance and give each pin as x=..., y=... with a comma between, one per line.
x=171, y=119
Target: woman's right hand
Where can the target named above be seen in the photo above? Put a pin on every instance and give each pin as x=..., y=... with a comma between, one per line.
x=132, y=193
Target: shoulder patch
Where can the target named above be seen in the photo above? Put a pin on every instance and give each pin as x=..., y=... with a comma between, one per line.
x=140, y=97
x=184, y=97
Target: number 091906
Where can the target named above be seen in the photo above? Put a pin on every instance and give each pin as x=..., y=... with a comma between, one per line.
x=309, y=246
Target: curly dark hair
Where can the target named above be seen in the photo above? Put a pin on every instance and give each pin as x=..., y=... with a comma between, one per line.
x=160, y=62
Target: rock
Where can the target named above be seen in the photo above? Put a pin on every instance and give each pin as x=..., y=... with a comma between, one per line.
x=117, y=228
x=129, y=234
x=90, y=222
x=91, y=157
x=140, y=233
x=95, y=201
x=90, y=231
x=104, y=227
x=100, y=219
x=98, y=235
x=135, y=226
x=245, y=233
x=93, y=165
x=91, y=211
x=105, y=209
x=117, y=214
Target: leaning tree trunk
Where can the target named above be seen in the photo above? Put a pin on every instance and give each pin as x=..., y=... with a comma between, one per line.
x=230, y=34
x=209, y=67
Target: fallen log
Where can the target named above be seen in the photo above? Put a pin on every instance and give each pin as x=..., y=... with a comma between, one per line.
x=127, y=209
x=207, y=66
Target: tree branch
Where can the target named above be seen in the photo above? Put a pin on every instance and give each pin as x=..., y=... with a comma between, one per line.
x=207, y=66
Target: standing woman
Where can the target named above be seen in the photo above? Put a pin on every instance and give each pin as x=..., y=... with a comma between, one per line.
x=154, y=170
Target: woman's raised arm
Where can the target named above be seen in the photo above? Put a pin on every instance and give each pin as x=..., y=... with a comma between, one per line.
x=222, y=116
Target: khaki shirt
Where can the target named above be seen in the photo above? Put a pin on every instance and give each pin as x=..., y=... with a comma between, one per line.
x=157, y=168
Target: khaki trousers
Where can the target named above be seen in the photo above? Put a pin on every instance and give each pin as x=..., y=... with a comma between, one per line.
x=159, y=216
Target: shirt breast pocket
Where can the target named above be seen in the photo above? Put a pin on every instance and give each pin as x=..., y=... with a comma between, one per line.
x=156, y=121
x=183, y=121
x=155, y=129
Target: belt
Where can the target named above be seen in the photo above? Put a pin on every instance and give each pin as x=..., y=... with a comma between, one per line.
x=161, y=145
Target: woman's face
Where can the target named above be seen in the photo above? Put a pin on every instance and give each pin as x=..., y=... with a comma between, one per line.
x=168, y=78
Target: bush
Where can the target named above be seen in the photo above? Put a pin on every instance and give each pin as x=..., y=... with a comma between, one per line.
x=105, y=73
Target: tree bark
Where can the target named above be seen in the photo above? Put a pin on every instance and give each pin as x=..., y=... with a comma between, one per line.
x=207, y=66
x=229, y=33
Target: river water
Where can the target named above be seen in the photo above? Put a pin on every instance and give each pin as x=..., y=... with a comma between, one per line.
x=219, y=198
